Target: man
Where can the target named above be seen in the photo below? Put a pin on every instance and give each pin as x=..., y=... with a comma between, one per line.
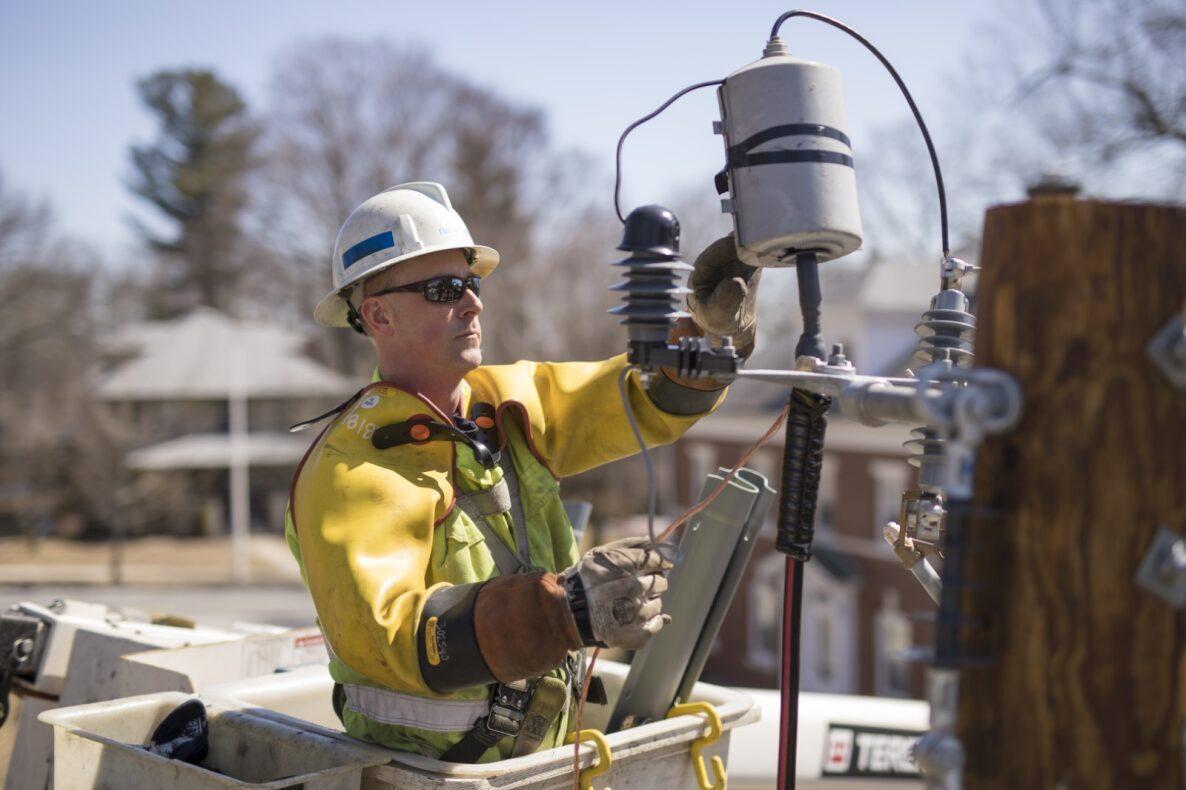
x=426, y=516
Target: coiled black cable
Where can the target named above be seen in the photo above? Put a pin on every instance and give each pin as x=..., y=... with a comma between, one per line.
x=803, y=456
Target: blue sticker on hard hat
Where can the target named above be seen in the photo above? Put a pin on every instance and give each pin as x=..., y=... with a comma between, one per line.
x=365, y=247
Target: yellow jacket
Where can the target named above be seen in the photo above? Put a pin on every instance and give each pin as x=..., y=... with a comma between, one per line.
x=377, y=532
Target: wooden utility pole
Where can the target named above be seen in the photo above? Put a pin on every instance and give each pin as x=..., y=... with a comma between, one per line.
x=1075, y=676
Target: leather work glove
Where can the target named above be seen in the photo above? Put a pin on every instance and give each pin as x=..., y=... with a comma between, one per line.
x=522, y=625
x=613, y=591
x=725, y=293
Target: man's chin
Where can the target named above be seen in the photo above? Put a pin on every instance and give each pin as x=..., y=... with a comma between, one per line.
x=471, y=358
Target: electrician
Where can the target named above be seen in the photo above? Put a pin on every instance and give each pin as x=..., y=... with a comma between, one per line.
x=426, y=516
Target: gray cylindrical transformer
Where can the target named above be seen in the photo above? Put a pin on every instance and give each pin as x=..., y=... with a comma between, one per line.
x=791, y=178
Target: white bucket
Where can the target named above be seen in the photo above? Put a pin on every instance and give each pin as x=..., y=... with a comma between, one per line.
x=649, y=757
x=101, y=746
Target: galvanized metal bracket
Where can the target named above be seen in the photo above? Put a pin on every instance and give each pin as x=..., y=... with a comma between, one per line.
x=1163, y=571
x=21, y=641
x=1167, y=349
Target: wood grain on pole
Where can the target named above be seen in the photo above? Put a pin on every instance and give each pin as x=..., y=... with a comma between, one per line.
x=1074, y=676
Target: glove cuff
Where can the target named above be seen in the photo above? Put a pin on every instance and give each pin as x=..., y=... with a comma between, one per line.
x=579, y=604
x=523, y=625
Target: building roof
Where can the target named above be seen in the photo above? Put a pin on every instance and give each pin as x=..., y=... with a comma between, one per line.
x=208, y=355
x=897, y=287
x=213, y=451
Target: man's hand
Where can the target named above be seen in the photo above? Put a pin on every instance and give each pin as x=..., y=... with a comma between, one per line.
x=614, y=592
x=724, y=294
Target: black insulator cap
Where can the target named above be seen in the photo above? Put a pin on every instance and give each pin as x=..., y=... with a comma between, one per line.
x=651, y=229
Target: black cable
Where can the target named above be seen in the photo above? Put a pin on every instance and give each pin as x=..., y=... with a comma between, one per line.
x=791, y=660
x=811, y=340
x=639, y=122
x=909, y=100
x=802, y=459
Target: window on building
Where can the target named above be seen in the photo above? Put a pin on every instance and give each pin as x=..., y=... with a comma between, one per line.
x=828, y=647
x=825, y=508
x=825, y=657
x=766, y=463
x=890, y=479
x=702, y=459
x=764, y=613
x=892, y=639
x=828, y=650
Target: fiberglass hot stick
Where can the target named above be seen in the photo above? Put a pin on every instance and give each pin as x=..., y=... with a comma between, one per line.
x=576, y=754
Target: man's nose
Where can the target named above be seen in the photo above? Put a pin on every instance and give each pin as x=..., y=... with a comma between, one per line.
x=470, y=304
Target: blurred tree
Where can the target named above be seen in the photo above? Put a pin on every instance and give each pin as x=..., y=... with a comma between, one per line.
x=193, y=175
x=349, y=118
x=1091, y=90
x=57, y=450
x=1105, y=77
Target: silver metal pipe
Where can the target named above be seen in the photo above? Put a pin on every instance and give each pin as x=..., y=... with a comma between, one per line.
x=870, y=400
x=928, y=577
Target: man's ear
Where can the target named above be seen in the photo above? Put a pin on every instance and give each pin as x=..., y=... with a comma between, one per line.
x=376, y=317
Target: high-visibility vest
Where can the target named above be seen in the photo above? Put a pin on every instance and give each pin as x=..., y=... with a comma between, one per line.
x=376, y=532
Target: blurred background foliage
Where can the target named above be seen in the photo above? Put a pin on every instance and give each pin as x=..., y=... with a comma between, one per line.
x=240, y=205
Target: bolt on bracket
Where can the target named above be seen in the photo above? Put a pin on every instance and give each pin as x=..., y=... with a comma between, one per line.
x=1167, y=349
x=1163, y=570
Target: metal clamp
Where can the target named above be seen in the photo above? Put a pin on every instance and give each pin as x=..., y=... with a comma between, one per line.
x=1163, y=570
x=1167, y=349
x=604, y=758
x=22, y=639
x=922, y=517
x=714, y=734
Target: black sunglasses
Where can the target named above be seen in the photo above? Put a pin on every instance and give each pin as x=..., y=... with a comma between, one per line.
x=444, y=289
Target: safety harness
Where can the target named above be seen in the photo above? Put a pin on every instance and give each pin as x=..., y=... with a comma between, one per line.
x=526, y=709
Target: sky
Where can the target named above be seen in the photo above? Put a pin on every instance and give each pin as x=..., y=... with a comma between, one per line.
x=69, y=111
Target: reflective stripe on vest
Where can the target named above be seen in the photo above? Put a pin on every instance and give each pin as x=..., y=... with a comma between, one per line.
x=409, y=710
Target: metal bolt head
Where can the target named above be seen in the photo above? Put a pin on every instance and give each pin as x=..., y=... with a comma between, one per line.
x=1177, y=349
x=1172, y=564
x=22, y=649
x=1167, y=349
x=837, y=358
x=1163, y=569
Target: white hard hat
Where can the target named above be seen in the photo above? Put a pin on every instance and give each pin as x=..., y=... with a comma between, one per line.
x=399, y=223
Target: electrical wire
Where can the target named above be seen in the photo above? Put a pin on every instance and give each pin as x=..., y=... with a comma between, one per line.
x=639, y=122
x=656, y=541
x=576, y=744
x=922, y=127
x=646, y=458
x=732, y=472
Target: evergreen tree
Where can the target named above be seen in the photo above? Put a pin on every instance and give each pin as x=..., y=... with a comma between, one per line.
x=194, y=175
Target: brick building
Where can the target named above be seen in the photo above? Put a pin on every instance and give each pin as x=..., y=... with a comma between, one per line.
x=863, y=615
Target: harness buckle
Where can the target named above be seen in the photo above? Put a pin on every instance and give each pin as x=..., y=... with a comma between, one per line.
x=507, y=709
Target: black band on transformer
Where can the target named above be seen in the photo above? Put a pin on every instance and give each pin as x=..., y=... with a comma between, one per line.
x=447, y=643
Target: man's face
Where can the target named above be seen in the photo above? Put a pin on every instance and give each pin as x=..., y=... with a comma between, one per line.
x=437, y=335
